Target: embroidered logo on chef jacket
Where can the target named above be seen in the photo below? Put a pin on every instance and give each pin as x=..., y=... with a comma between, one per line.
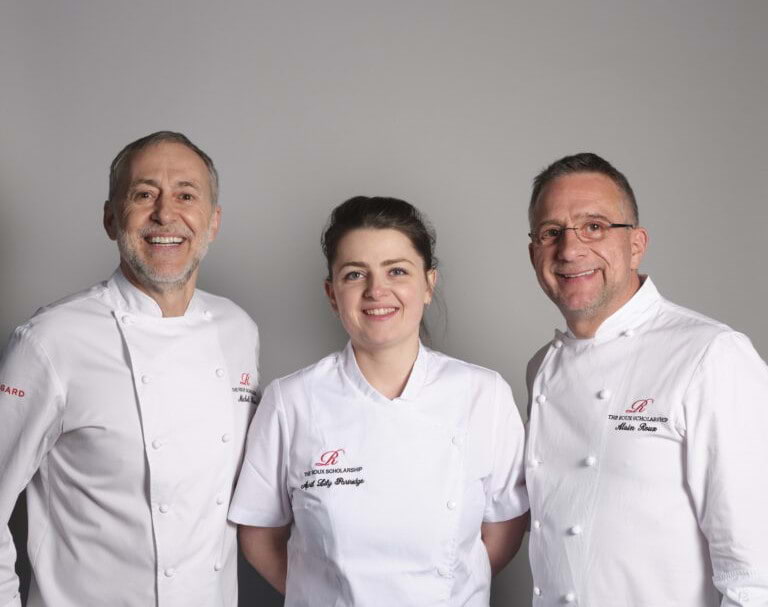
x=639, y=405
x=329, y=458
x=246, y=394
x=329, y=477
x=638, y=420
x=12, y=391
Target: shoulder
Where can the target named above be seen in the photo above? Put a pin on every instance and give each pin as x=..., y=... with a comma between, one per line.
x=52, y=332
x=445, y=366
x=63, y=317
x=300, y=383
x=675, y=316
x=692, y=330
x=325, y=368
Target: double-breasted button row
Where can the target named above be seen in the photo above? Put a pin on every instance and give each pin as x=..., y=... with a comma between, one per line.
x=574, y=530
x=146, y=378
x=568, y=597
x=590, y=461
x=170, y=572
x=603, y=394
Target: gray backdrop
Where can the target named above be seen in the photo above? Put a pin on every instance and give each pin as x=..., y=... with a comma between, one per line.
x=451, y=105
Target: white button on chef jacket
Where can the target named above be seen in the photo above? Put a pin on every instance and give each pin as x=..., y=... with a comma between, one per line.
x=677, y=506
x=115, y=518
x=385, y=505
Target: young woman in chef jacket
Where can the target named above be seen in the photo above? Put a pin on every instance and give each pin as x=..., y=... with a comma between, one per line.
x=385, y=474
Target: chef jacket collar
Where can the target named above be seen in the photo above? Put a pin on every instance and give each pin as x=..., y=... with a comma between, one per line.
x=129, y=298
x=413, y=386
x=632, y=314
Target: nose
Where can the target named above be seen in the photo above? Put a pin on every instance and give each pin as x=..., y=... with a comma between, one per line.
x=375, y=287
x=163, y=212
x=569, y=245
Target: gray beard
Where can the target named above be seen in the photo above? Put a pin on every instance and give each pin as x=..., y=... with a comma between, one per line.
x=146, y=274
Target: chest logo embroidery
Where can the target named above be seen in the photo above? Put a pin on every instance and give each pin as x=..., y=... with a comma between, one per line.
x=322, y=467
x=246, y=394
x=329, y=457
x=636, y=422
x=639, y=405
x=12, y=391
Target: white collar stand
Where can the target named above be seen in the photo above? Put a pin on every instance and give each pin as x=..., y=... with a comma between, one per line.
x=413, y=386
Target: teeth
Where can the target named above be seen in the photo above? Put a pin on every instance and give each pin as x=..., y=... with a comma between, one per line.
x=587, y=273
x=165, y=240
x=379, y=311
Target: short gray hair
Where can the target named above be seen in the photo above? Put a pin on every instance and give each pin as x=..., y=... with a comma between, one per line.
x=122, y=160
x=585, y=162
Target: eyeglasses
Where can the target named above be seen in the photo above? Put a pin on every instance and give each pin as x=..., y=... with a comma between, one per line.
x=592, y=230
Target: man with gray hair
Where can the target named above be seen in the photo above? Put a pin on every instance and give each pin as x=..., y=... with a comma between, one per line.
x=646, y=446
x=124, y=408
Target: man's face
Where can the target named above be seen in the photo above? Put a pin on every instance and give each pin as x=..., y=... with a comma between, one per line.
x=588, y=281
x=163, y=218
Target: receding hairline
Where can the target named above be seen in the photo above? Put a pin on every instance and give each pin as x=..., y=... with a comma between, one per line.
x=124, y=159
x=628, y=209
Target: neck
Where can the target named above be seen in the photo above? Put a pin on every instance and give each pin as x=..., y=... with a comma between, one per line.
x=173, y=299
x=585, y=325
x=387, y=370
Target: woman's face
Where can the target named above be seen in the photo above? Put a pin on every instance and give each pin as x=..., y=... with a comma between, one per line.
x=379, y=288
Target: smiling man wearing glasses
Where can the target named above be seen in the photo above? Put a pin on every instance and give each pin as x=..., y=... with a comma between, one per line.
x=646, y=449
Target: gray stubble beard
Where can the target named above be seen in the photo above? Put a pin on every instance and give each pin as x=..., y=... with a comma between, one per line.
x=146, y=274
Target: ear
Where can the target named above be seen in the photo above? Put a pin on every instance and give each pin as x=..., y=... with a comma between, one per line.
x=213, y=230
x=110, y=221
x=331, y=295
x=530, y=254
x=638, y=244
x=431, y=284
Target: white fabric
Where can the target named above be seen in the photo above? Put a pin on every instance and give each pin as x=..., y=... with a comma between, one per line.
x=130, y=432
x=394, y=518
x=646, y=463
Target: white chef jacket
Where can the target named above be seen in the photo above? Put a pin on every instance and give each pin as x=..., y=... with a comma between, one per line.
x=129, y=428
x=646, y=463
x=386, y=497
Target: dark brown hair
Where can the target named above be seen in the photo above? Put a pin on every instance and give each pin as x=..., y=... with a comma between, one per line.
x=381, y=213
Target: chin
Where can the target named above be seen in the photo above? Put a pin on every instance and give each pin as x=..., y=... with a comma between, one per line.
x=163, y=280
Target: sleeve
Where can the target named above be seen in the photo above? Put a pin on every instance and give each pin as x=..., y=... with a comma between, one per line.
x=31, y=401
x=261, y=497
x=506, y=496
x=726, y=409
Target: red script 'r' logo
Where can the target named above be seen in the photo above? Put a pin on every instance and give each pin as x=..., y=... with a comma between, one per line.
x=245, y=379
x=329, y=458
x=639, y=405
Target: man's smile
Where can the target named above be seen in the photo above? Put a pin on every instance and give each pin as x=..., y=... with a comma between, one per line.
x=165, y=240
x=573, y=275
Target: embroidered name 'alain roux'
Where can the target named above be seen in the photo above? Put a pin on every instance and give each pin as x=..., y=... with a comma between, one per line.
x=645, y=421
